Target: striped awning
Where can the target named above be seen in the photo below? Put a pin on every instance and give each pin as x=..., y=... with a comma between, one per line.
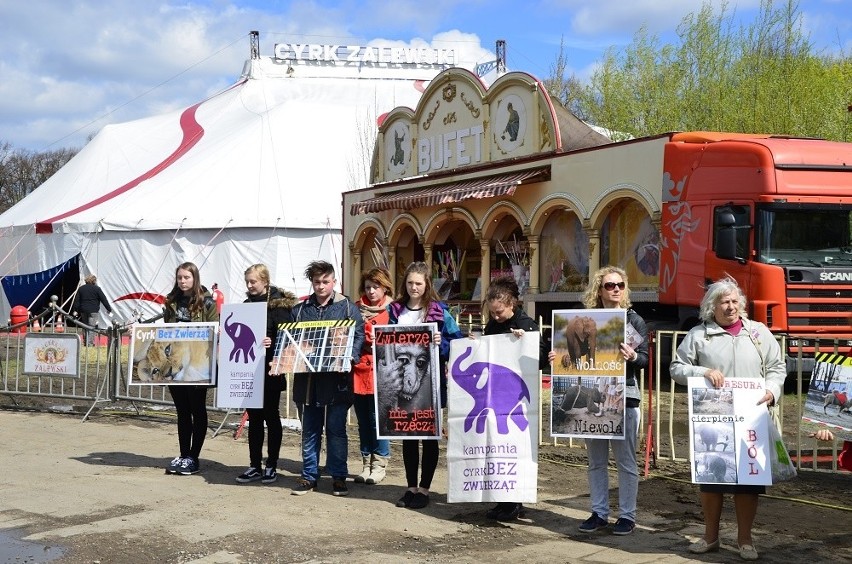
x=452, y=192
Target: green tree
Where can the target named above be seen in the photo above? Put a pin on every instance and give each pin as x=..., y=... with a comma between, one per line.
x=763, y=77
x=23, y=171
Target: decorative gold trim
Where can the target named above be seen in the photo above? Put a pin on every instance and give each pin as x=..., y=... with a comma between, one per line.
x=474, y=111
x=428, y=123
x=449, y=92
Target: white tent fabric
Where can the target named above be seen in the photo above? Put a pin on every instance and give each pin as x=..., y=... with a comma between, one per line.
x=252, y=174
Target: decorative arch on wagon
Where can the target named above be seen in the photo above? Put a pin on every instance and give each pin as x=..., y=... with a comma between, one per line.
x=559, y=221
x=396, y=228
x=455, y=253
x=629, y=235
x=369, y=242
x=495, y=214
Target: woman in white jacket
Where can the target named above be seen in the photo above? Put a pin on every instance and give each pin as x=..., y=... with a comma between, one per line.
x=728, y=344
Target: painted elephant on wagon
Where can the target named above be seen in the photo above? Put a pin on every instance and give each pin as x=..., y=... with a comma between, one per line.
x=581, y=334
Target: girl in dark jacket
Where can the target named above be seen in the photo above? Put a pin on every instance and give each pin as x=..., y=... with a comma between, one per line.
x=279, y=310
x=506, y=316
x=418, y=303
x=189, y=302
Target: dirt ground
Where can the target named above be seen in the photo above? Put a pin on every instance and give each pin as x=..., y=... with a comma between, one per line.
x=94, y=492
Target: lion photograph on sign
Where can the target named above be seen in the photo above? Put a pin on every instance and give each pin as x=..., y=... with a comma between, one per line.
x=173, y=353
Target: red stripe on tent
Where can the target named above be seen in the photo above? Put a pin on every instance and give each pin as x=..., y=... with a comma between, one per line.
x=192, y=134
x=146, y=296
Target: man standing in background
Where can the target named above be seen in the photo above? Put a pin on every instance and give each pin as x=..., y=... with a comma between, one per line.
x=87, y=306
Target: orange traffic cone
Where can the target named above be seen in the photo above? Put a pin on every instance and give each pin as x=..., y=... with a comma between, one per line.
x=60, y=325
x=36, y=325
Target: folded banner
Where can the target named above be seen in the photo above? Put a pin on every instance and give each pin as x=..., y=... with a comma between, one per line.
x=407, y=380
x=173, y=353
x=493, y=390
x=314, y=346
x=729, y=432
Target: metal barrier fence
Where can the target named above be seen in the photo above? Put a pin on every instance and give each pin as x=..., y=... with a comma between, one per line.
x=103, y=379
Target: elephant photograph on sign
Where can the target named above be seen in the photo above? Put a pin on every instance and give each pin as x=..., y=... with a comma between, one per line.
x=580, y=335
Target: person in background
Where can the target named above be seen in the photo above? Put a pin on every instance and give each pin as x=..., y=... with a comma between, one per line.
x=506, y=316
x=844, y=457
x=728, y=344
x=418, y=303
x=325, y=396
x=87, y=306
x=189, y=302
x=375, y=453
x=279, y=304
x=608, y=288
x=218, y=297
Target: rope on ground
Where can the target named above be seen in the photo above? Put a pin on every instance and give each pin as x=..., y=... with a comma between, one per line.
x=681, y=480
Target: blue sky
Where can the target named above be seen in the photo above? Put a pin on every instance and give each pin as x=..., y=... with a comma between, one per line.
x=70, y=67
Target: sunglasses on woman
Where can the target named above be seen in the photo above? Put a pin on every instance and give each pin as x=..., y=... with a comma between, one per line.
x=610, y=286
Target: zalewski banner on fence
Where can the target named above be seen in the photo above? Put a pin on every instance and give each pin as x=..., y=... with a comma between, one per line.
x=493, y=396
x=242, y=357
x=314, y=346
x=407, y=380
x=729, y=432
x=829, y=399
x=52, y=354
x=173, y=353
x=589, y=373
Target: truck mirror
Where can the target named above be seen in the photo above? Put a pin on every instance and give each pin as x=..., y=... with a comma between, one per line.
x=726, y=243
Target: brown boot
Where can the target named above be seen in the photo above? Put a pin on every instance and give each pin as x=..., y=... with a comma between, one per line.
x=378, y=467
x=362, y=477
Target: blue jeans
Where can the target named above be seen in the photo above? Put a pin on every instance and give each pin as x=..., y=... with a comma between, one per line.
x=333, y=418
x=365, y=411
x=628, y=471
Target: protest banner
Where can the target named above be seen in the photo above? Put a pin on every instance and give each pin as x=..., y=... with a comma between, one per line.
x=829, y=399
x=173, y=353
x=314, y=346
x=492, y=448
x=52, y=354
x=242, y=357
x=729, y=432
x=407, y=380
x=589, y=373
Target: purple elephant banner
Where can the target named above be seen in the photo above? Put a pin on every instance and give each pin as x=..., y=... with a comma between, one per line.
x=493, y=395
x=407, y=381
x=589, y=378
x=242, y=356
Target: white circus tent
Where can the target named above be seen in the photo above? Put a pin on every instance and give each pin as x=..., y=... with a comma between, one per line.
x=252, y=174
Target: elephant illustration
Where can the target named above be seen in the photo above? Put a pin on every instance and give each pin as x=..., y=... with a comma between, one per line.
x=581, y=334
x=503, y=393
x=243, y=338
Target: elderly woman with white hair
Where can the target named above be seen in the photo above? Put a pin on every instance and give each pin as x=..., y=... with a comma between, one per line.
x=729, y=345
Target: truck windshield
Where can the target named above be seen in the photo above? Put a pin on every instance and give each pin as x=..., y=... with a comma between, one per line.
x=804, y=234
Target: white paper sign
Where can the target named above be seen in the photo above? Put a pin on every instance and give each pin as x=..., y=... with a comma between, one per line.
x=242, y=357
x=729, y=432
x=492, y=447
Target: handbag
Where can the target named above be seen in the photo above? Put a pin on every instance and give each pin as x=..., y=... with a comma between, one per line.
x=779, y=458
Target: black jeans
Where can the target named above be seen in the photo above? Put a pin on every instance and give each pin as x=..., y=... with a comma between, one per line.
x=191, y=406
x=269, y=414
x=410, y=452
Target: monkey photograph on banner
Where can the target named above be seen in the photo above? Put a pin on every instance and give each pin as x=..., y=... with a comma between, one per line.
x=492, y=420
x=242, y=357
x=589, y=374
x=729, y=432
x=407, y=381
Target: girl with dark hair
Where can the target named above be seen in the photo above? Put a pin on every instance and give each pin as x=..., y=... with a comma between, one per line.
x=189, y=302
x=417, y=302
x=506, y=316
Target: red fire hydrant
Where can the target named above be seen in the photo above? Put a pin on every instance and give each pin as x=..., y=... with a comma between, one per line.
x=19, y=314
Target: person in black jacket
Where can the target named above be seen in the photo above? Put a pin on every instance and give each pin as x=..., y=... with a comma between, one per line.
x=506, y=316
x=279, y=310
x=189, y=302
x=87, y=306
x=326, y=396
